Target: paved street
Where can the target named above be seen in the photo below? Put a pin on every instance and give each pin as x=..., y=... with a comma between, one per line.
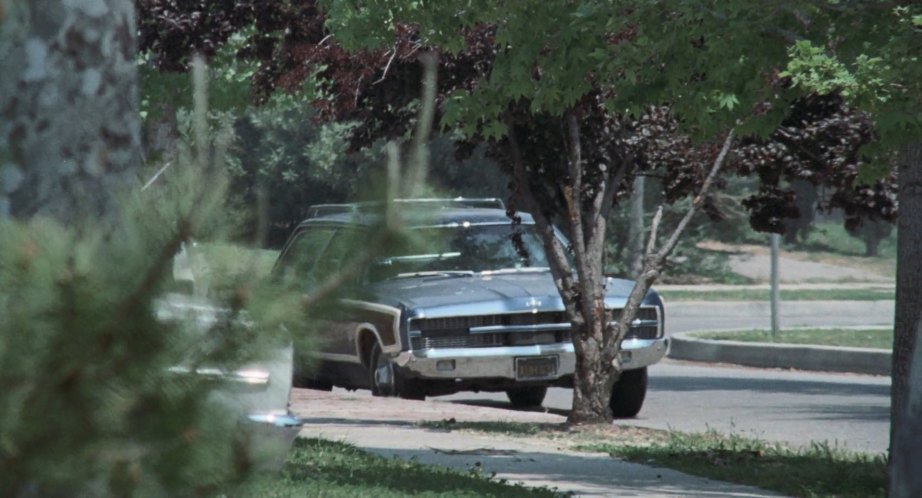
x=797, y=407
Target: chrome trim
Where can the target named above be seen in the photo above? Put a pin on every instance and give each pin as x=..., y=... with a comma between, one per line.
x=277, y=419
x=455, y=224
x=499, y=362
x=251, y=376
x=504, y=351
x=344, y=358
x=541, y=327
x=638, y=322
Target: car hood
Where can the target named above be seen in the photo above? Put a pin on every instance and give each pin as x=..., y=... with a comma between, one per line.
x=477, y=294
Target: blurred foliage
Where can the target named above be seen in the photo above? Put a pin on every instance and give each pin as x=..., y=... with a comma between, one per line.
x=89, y=406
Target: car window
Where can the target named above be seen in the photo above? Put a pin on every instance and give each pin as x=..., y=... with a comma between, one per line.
x=300, y=258
x=463, y=248
x=343, y=249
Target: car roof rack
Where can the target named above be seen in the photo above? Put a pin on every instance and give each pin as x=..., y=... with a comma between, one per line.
x=318, y=210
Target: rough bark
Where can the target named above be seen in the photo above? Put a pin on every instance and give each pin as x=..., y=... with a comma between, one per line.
x=583, y=296
x=905, y=478
x=595, y=374
x=69, y=126
x=908, y=279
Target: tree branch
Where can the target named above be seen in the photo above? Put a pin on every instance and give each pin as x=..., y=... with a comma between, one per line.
x=653, y=263
x=560, y=266
x=387, y=67
x=696, y=202
x=573, y=192
x=654, y=228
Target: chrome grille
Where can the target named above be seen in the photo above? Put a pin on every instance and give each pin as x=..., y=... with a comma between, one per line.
x=489, y=340
x=459, y=341
x=464, y=323
x=455, y=332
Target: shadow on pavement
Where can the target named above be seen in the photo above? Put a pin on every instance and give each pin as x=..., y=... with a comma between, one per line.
x=504, y=405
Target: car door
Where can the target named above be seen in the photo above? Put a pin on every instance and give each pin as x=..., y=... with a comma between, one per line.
x=297, y=269
x=337, y=261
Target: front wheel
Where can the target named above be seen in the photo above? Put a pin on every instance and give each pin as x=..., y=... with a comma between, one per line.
x=524, y=397
x=628, y=393
x=386, y=380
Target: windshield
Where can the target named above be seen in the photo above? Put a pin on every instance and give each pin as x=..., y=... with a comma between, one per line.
x=464, y=249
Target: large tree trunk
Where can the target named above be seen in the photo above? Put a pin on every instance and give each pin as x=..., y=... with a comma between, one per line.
x=594, y=376
x=906, y=445
x=908, y=270
x=69, y=124
x=908, y=287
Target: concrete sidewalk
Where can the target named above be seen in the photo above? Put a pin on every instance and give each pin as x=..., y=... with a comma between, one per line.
x=387, y=426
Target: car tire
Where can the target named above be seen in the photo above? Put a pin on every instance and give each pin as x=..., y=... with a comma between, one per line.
x=525, y=397
x=628, y=393
x=386, y=380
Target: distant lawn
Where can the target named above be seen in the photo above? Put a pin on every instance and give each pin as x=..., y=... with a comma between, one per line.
x=872, y=294
x=820, y=470
x=321, y=468
x=855, y=338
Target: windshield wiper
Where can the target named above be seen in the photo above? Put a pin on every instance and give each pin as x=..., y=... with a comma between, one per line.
x=442, y=273
x=524, y=269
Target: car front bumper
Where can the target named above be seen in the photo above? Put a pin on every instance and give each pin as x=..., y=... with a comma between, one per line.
x=269, y=436
x=499, y=362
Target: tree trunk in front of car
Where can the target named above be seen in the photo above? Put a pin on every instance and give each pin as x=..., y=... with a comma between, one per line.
x=582, y=283
x=596, y=334
x=595, y=374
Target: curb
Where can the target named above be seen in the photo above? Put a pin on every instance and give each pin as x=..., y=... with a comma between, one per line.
x=683, y=346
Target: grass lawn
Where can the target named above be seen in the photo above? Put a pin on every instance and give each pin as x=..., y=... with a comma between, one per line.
x=873, y=294
x=817, y=471
x=855, y=338
x=318, y=467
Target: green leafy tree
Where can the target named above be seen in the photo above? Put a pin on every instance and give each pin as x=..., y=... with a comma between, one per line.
x=711, y=61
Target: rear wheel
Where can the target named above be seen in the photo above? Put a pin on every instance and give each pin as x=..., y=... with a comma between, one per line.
x=629, y=392
x=387, y=380
x=523, y=397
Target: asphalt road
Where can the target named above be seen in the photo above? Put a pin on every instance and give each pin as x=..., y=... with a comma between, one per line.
x=844, y=410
